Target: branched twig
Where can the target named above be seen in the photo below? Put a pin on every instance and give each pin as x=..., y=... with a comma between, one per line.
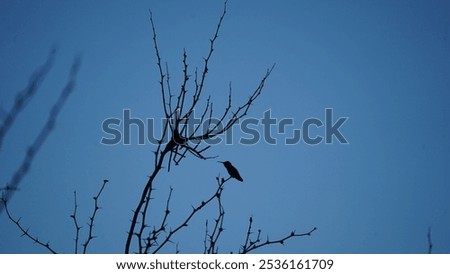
x=25, y=231
x=213, y=238
x=163, y=225
x=143, y=223
x=145, y=199
x=195, y=210
x=154, y=234
x=74, y=218
x=250, y=245
x=92, y=218
x=43, y=134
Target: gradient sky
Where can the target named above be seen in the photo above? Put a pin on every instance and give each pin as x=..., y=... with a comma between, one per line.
x=383, y=64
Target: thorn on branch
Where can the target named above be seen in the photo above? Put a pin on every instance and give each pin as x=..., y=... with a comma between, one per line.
x=92, y=217
x=25, y=232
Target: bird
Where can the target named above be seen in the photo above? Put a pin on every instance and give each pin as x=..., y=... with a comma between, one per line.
x=232, y=171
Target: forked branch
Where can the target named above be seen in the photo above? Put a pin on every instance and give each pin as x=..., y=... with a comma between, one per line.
x=251, y=245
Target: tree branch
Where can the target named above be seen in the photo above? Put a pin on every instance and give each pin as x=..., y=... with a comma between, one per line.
x=25, y=231
x=194, y=211
x=74, y=218
x=218, y=228
x=250, y=245
x=92, y=218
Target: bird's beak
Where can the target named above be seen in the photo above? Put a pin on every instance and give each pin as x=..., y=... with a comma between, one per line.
x=220, y=162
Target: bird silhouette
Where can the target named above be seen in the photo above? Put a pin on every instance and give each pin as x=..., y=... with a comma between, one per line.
x=232, y=171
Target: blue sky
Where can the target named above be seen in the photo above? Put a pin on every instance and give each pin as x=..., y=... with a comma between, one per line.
x=383, y=64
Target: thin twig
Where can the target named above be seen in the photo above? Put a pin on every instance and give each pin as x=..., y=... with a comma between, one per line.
x=143, y=219
x=251, y=245
x=194, y=211
x=25, y=232
x=218, y=225
x=92, y=218
x=158, y=59
x=153, y=238
x=205, y=241
x=74, y=218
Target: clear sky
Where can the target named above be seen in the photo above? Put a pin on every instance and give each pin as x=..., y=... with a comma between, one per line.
x=383, y=64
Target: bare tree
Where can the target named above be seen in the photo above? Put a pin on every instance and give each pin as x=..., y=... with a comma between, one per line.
x=178, y=140
x=178, y=110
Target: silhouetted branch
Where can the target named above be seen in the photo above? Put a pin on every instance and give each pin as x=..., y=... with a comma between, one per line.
x=206, y=240
x=158, y=60
x=212, y=239
x=145, y=198
x=194, y=211
x=74, y=218
x=249, y=232
x=152, y=239
x=92, y=218
x=143, y=223
x=43, y=134
x=250, y=245
x=25, y=232
x=25, y=95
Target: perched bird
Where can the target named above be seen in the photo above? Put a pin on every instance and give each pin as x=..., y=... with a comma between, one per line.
x=232, y=171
